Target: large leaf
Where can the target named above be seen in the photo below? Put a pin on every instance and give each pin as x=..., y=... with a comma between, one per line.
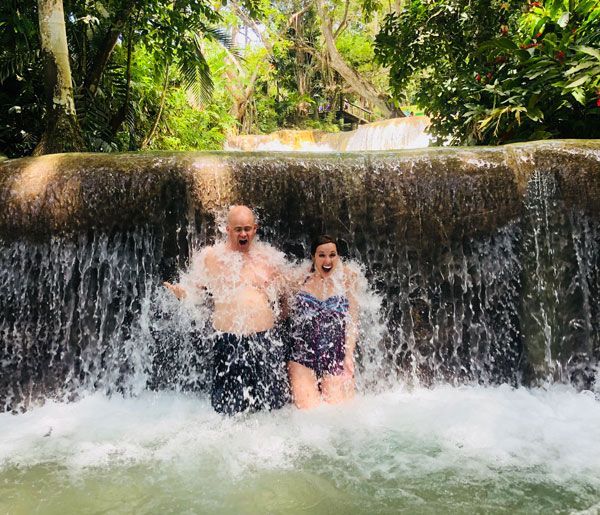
x=563, y=21
x=594, y=52
x=579, y=95
x=579, y=67
x=578, y=82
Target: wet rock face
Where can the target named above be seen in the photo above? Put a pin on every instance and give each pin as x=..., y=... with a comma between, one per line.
x=70, y=193
x=420, y=195
x=486, y=260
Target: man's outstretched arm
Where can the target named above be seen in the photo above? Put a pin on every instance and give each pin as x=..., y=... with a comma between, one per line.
x=176, y=289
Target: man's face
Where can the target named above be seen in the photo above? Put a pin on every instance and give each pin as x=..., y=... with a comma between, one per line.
x=241, y=229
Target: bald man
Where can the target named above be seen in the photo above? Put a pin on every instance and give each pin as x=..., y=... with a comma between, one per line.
x=245, y=279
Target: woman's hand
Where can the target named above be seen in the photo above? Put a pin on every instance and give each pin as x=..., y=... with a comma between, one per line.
x=178, y=291
x=349, y=365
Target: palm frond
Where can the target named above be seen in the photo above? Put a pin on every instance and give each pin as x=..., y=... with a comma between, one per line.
x=13, y=64
x=195, y=71
x=219, y=35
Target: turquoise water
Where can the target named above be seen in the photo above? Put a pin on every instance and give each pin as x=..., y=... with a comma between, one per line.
x=445, y=450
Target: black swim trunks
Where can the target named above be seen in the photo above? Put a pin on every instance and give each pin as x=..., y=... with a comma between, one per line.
x=249, y=373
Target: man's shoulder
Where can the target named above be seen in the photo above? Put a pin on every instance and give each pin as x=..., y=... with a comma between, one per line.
x=262, y=248
x=207, y=255
x=269, y=255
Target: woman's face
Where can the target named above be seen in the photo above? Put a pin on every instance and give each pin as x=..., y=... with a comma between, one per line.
x=326, y=259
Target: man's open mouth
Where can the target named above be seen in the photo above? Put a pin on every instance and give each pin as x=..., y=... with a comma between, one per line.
x=243, y=242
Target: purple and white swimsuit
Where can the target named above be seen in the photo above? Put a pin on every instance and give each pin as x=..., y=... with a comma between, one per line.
x=318, y=333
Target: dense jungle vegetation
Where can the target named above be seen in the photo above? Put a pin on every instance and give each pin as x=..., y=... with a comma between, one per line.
x=115, y=75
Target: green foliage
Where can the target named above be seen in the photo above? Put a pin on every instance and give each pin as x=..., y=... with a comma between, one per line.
x=190, y=129
x=184, y=124
x=357, y=48
x=167, y=82
x=21, y=86
x=302, y=84
x=270, y=114
x=173, y=33
x=512, y=71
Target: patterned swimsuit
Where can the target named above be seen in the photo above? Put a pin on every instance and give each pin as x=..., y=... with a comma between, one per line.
x=319, y=333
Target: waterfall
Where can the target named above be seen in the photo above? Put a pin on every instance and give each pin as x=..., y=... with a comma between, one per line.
x=394, y=134
x=483, y=265
x=397, y=133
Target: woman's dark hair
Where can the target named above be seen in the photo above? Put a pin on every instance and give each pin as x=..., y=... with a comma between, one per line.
x=321, y=240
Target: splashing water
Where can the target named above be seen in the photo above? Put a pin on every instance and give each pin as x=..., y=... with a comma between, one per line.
x=426, y=450
x=391, y=449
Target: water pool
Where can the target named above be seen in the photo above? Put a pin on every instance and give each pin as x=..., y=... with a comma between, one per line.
x=441, y=450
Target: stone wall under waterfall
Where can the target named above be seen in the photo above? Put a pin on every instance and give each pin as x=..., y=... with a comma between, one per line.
x=484, y=262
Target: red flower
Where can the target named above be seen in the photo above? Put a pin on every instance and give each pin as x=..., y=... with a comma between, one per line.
x=538, y=35
x=477, y=77
x=536, y=4
x=504, y=30
x=489, y=75
x=598, y=102
x=559, y=56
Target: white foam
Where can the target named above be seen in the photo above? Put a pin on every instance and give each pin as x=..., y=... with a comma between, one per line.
x=554, y=431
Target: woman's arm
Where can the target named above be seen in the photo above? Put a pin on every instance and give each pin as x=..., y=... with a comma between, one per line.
x=352, y=322
x=289, y=282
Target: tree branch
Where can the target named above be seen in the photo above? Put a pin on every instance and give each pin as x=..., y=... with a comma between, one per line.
x=361, y=86
x=253, y=25
x=296, y=16
x=342, y=24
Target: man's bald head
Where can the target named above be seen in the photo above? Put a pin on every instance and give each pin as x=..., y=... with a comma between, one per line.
x=241, y=228
x=240, y=211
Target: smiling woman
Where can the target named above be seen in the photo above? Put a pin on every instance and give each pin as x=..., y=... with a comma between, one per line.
x=324, y=330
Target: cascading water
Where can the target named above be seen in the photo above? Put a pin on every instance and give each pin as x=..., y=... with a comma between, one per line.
x=394, y=134
x=482, y=268
x=68, y=309
x=398, y=133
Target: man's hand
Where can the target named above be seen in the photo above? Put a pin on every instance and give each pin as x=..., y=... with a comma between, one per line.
x=178, y=291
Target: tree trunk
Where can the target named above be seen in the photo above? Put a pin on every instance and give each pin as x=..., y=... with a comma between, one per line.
x=120, y=116
x=359, y=84
x=93, y=77
x=163, y=98
x=240, y=95
x=62, y=133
